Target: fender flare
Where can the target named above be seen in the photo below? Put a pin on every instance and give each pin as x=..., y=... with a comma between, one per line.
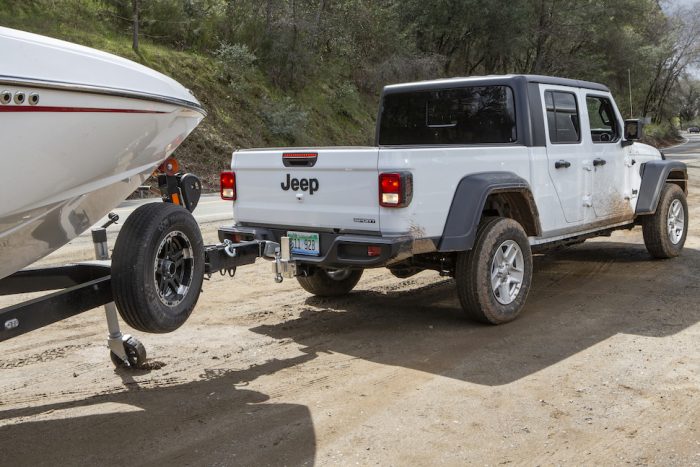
x=459, y=233
x=654, y=177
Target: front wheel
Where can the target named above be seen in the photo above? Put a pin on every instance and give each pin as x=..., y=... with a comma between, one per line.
x=494, y=277
x=665, y=230
x=330, y=282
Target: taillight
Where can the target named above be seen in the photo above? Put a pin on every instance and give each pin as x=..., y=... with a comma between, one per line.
x=227, y=182
x=395, y=189
x=374, y=251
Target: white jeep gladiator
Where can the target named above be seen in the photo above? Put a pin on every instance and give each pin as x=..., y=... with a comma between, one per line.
x=467, y=177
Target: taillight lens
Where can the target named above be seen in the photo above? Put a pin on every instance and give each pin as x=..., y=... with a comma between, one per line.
x=395, y=189
x=374, y=251
x=227, y=181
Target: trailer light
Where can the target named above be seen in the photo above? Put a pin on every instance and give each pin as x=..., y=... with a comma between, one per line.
x=169, y=167
x=374, y=251
x=395, y=189
x=227, y=182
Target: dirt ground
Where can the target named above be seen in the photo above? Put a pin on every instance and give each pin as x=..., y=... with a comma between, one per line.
x=603, y=367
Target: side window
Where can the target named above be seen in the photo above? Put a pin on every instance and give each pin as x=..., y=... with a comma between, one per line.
x=562, y=117
x=604, y=126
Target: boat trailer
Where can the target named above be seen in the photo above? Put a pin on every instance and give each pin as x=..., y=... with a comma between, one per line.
x=83, y=286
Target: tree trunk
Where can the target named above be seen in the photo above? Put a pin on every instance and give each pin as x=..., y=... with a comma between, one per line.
x=135, y=43
x=268, y=17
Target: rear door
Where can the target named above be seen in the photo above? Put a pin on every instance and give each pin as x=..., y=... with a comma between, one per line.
x=326, y=188
x=566, y=153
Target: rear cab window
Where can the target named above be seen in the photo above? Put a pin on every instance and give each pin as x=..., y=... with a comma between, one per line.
x=469, y=115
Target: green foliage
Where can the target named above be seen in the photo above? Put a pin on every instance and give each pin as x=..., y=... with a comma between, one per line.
x=661, y=134
x=345, y=97
x=236, y=62
x=284, y=118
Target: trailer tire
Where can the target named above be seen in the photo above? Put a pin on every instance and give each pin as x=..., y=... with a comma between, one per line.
x=157, y=267
x=330, y=283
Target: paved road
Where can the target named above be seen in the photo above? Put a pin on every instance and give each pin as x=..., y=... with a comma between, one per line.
x=211, y=208
x=688, y=150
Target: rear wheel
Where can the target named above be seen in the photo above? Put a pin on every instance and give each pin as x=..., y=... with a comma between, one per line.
x=157, y=267
x=330, y=282
x=665, y=230
x=494, y=277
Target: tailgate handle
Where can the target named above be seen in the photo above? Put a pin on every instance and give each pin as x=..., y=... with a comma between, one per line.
x=299, y=159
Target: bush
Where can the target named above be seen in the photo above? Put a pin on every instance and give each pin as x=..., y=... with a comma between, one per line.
x=661, y=134
x=344, y=98
x=236, y=61
x=284, y=118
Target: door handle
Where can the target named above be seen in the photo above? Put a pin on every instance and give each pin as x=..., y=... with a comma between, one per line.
x=598, y=162
x=562, y=164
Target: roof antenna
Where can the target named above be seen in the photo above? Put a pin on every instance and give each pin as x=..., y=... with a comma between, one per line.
x=629, y=80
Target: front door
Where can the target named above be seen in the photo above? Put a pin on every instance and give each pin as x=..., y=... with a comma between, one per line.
x=607, y=160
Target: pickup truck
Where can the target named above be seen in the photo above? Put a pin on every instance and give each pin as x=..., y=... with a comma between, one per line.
x=468, y=176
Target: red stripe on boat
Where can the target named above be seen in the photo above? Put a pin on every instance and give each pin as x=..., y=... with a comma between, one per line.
x=41, y=108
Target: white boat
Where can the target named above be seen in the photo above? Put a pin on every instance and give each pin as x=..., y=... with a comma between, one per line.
x=80, y=130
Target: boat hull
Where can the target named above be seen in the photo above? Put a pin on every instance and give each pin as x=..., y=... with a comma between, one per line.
x=70, y=158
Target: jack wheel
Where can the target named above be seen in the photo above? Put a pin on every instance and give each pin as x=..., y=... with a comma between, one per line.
x=135, y=354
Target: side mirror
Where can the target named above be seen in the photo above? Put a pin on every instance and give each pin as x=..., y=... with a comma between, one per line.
x=633, y=131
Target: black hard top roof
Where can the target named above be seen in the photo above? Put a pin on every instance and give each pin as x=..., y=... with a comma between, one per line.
x=491, y=80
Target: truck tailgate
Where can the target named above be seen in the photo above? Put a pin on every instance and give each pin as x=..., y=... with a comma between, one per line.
x=333, y=188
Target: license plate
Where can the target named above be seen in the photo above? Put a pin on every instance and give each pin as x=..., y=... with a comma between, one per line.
x=304, y=243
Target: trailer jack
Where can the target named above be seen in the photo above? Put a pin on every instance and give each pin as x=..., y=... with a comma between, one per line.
x=125, y=350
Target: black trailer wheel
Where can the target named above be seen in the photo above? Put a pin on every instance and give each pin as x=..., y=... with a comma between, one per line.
x=135, y=354
x=157, y=267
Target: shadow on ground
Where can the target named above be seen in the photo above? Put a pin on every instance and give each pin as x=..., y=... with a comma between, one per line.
x=581, y=296
x=208, y=422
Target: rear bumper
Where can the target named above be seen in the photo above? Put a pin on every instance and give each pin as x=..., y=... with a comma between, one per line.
x=337, y=250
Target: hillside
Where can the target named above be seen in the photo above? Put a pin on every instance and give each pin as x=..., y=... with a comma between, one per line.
x=308, y=72
x=248, y=111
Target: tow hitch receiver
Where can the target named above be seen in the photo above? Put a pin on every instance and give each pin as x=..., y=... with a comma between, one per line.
x=227, y=256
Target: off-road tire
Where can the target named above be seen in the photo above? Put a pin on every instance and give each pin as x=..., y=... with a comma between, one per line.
x=473, y=272
x=134, y=282
x=323, y=285
x=655, y=226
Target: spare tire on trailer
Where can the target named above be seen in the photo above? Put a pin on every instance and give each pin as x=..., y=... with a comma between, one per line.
x=157, y=267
